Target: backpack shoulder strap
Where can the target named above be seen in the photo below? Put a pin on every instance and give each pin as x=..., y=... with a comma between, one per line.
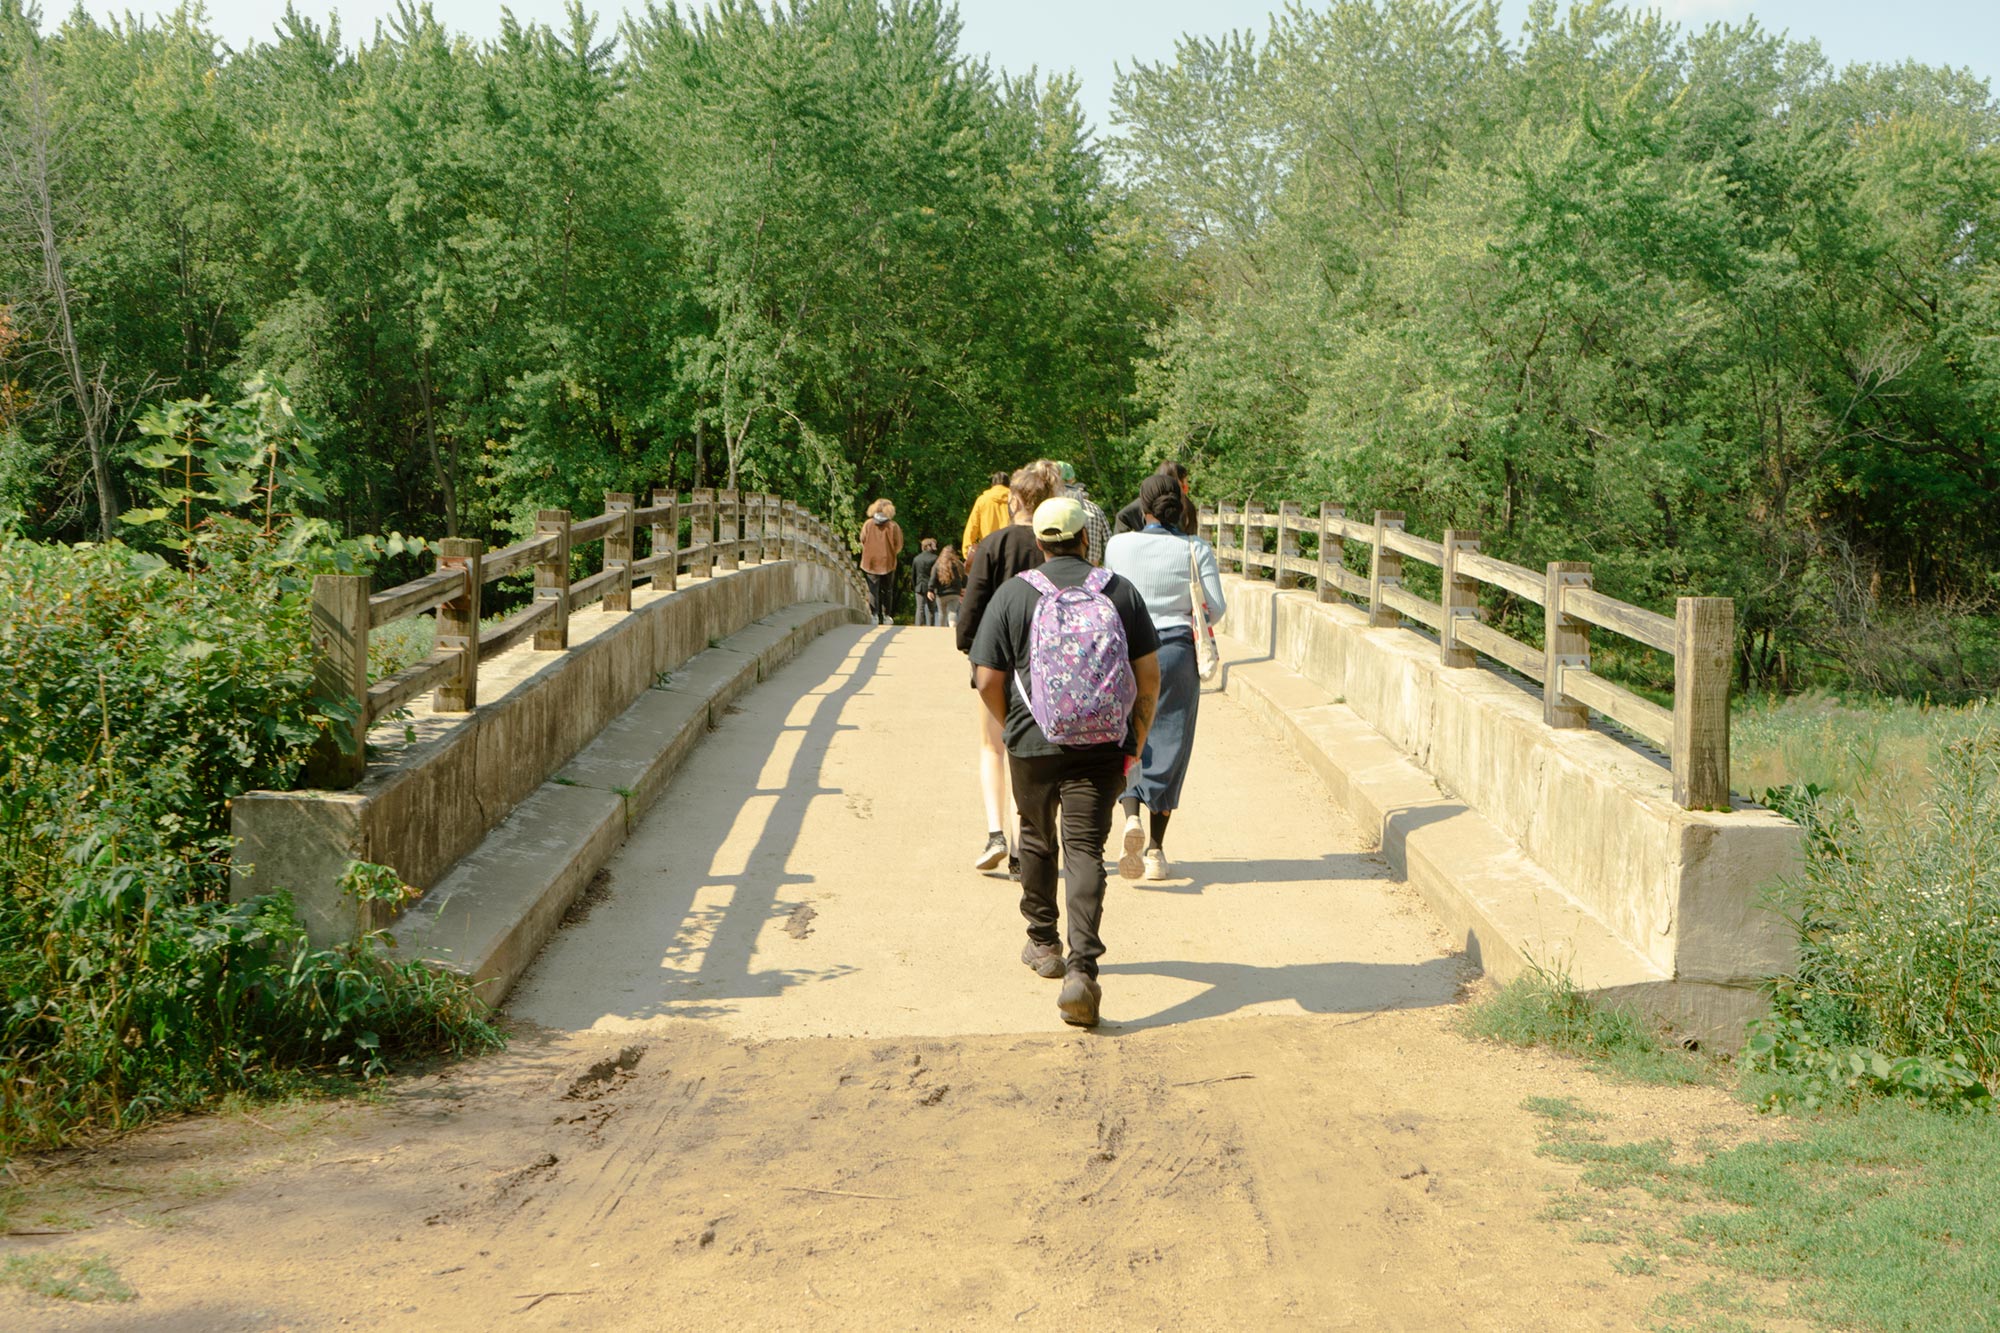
x=1099, y=578
x=1038, y=581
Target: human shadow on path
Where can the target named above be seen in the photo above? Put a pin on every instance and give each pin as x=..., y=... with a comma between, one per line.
x=1318, y=988
x=726, y=936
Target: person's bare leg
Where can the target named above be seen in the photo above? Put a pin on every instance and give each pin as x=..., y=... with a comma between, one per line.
x=995, y=789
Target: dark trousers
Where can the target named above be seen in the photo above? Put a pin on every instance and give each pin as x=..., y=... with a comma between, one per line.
x=882, y=595
x=1066, y=799
x=927, y=610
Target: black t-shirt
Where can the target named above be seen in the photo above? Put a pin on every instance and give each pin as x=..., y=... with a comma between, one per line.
x=1002, y=644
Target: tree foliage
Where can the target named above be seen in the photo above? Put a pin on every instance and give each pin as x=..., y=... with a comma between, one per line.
x=814, y=245
x=1692, y=305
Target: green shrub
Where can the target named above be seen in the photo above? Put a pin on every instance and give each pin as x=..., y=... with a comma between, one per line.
x=1898, y=982
x=139, y=694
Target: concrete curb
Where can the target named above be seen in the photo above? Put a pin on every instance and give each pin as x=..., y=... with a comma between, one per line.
x=493, y=911
x=1507, y=912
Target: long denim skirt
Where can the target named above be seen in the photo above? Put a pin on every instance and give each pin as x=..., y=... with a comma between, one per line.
x=1157, y=778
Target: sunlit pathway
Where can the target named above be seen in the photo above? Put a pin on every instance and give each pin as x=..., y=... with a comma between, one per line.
x=809, y=873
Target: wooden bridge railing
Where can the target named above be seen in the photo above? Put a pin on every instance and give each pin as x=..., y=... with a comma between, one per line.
x=1699, y=636
x=726, y=529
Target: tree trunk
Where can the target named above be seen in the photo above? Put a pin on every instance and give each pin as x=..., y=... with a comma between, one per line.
x=29, y=145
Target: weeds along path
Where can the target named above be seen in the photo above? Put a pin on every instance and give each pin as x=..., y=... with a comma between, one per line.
x=787, y=1072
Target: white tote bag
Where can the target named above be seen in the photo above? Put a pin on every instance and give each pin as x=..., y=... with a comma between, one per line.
x=1207, y=658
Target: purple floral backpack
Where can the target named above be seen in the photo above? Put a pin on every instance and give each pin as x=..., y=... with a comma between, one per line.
x=1080, y=683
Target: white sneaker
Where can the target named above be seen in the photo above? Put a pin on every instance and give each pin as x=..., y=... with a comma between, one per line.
x=1129, y=866
x=1156, y=863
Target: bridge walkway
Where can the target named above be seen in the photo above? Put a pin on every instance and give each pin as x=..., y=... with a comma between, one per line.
x=808, y=874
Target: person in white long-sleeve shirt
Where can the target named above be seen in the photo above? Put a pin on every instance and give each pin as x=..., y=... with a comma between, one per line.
x=1155, y=561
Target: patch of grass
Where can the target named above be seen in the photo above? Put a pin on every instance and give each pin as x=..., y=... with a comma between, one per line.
x=1878, y=1218
x=65, y=1277
x=1870, y=750
x=1544, y=1008
x=1559, y=1108
x=1883, y=1216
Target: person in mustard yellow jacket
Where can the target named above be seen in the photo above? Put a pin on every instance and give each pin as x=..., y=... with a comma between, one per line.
x=989, y=514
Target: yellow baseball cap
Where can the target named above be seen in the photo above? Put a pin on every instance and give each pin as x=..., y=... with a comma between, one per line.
x=1059, y=519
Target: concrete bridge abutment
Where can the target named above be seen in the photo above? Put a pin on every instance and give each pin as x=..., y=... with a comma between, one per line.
x=1558, y=849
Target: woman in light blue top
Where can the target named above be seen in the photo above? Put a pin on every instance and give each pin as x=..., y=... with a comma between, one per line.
x=1155, y=561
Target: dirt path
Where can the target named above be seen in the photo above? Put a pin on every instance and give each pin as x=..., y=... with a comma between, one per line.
x=725, y=1110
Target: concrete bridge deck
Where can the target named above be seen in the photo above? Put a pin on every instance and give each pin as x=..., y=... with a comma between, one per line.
x=844, y=790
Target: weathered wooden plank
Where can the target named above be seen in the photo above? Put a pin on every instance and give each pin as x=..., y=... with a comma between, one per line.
x=385, y=696
x=590, y=529
x=1648, y=627
x=417, y=595
x=513, y=559
x=1704, y=650
x=514, y=629
x=1644, y=716
x=1461, y=598
x=458, y=626
x=1430, y=552
x=1565, y=643
x=1523, y=583
x=339, y=630
x=1402, y=600
x=593, y=588
x=552, y=579
x=1509, y=651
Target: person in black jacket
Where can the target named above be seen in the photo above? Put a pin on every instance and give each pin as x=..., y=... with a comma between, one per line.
x=999, y=557
x=920, y=570
x=1132, y=518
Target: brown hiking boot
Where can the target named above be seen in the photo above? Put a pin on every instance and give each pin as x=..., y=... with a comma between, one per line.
x=1046, y=959
x=1079, y=999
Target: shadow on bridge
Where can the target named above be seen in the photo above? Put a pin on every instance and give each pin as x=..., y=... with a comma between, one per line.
x=1317, y=988
x=689, y=960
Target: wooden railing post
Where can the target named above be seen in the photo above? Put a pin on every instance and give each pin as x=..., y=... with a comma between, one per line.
x=1704, y=649
x=552, y=580
x=1460, y=594
x=1332, y=550
x=1288, y=544
x=753, y=528
x=667, y=540
x=729, y=528
x=788, y=531
x=1253, y=537
x=1385, y=569
x=618, y=551
x=702, y=533
x=1565, y=643
x=458, y=625
x=769, y=528
x=1225, y=514
x=1243, y=538
x=340, y=671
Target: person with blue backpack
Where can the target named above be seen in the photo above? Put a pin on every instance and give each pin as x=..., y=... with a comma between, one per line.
x=1066, y=659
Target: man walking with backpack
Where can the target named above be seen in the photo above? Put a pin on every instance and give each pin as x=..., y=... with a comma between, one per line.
x=1066, y=660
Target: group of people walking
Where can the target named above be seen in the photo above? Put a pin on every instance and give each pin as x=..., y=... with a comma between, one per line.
x=1083, y=651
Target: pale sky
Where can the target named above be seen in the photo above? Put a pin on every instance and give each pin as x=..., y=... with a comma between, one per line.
x=1092, y=37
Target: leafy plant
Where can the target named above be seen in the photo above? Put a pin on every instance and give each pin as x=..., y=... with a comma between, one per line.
x=1898, y=982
